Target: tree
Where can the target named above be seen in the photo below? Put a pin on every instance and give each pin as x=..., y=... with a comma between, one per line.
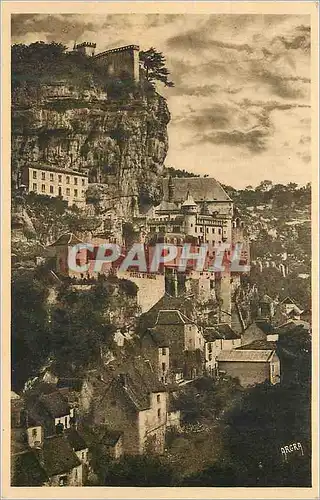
x=268, y=418
x=30, y=339
x=264, y=186
x=153, y=62
x=144, y=470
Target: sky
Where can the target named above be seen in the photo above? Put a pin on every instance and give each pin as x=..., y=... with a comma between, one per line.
x=240, y=108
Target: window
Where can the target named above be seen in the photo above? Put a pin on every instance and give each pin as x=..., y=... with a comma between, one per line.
x=82, y=454
x=163, y=366
x=43, y=176
x=34, y=174
x=219, y=230
x=164, y=351
x=51, y=189
x=34, y=187
x=43, y=188
x=60, y=178
x=66, y=422
x=210, y=357
x=83, y=182
x=34, y=431
x=209, y=347
x=68, y=179
x=196, y=229
x=76, y=180
x=207, y=229
x=68, y=191
x=159, y=413
x=63, y=481
x=60, y=191
x=158, y=398
x=76, y=192
x=51, y=177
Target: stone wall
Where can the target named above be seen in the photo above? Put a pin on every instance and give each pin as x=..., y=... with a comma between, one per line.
x=121, y=62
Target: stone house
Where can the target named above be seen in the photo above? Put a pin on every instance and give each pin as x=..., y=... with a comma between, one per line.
x=55, y=409
x=169, y=346
x=259, y=330
x=133, y=402
x=111, y=443
x=52, y=462
x=251, y=367
x=229, y=339
x=212, y=348
x=54, y=181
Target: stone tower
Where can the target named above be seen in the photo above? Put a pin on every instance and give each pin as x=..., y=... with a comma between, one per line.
x=86, y=48
x=190, y=209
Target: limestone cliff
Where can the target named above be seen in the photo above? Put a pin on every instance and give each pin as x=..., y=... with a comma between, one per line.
x=122, y=144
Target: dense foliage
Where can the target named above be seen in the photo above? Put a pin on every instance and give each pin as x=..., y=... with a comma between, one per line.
x=41, y=62
x=154, y=65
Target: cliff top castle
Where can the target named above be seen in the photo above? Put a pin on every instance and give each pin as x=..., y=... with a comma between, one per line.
x=120, y=61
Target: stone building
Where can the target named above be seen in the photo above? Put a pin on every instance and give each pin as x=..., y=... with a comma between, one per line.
x=53, y=462
x=175, y=346
x=251, y=367
x=46, y=448
x=49, y=180
x=121, y=62
x=219, y=337
x=132, y=402
x=198, y=211
x=259, y=330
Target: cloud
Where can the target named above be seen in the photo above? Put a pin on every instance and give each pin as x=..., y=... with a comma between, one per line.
x=254, y=140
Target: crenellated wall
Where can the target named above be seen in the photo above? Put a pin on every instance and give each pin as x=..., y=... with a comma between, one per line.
x=121, y=62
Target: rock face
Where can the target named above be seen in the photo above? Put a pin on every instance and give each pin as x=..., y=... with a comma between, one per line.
x=122, y=145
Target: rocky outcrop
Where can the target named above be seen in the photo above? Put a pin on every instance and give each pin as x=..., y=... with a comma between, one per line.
x=122, y=145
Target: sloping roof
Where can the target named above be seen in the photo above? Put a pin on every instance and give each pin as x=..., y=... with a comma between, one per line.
x=26, y=470
x=66, y=239
x=167, y=302
x=166, y=206
x=200, y=189
x=55, y=404
x=172, y=317
x=74, y=384
x=210, y=334
x=134, y=379
x=54, y=168
x=110, y=437
x=264, y=326
x=75, y=439
x=254, y=355
x=260, y=344
x=289, y=300
x=226, y=331
x=189, y=201
x=291, y=325
x=58, y=455
x=159, y=337
x=35, y=417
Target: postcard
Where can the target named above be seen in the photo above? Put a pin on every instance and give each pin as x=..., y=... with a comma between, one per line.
x=160, y=250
